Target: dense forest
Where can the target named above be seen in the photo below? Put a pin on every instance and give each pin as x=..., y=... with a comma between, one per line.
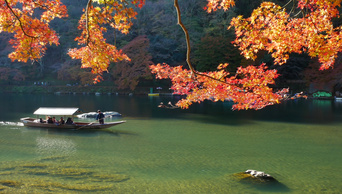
x=156, y=38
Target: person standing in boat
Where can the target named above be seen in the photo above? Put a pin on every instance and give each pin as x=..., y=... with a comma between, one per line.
x=100, y=116
x=69, y=121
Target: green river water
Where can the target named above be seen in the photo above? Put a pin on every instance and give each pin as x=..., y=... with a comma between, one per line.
x=171, y=150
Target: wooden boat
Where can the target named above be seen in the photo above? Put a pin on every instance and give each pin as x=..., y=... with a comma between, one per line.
x=338, y=99
x=64, y=112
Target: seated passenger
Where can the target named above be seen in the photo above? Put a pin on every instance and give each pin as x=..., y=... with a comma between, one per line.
x=62, y=122
x=54, y=120
x=41, y=120
x=69, y=121
x=50, y=121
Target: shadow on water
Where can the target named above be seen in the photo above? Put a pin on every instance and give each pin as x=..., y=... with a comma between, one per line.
x=273, y=186
x=311, y=111
x=264, y=184
x=83, y=132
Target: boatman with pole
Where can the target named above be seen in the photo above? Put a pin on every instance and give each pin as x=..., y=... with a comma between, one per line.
x=100, y=116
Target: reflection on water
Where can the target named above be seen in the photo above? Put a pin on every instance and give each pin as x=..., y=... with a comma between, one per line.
x=55, y=146
x=172, y=151
x=327, y=104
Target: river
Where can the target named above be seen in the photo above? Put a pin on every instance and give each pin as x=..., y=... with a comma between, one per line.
x=158, y=150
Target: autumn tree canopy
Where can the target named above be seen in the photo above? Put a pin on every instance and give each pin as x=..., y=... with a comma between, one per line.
x=306, y=27
x=298, y=26
x=127, y=74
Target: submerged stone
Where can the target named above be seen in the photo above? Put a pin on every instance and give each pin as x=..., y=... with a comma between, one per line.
x=46, y=175
x=10, y=183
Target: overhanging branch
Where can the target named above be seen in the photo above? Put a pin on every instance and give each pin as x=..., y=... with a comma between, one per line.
x=187, y=37
x=87, y=18
x=179, y=20
x=20, y=23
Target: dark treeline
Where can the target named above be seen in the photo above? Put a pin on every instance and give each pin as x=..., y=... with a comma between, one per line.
x=154, y=38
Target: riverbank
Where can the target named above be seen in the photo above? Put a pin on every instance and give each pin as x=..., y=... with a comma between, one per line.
x=98, y=90
x=69, y=89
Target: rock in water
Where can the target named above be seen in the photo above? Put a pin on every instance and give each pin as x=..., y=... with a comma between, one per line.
x=255, y=176
x=261, y=181
x=260, y=174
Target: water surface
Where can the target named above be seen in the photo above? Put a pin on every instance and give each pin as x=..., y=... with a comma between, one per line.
x=172, y=151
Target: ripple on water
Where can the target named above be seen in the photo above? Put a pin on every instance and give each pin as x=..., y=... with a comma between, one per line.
x=9, y=123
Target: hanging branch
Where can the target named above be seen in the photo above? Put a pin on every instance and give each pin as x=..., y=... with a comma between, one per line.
x=20, y=24
x=187, y=37
x=179, y=20
x=87, y=18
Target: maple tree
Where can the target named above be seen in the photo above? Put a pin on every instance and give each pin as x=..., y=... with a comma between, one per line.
x=71, y=71
x=306, y=27
x=7, y=72
x=96, y=53
x=328, y=80
x=31, y=34
x=29, y=21
x=127, y=74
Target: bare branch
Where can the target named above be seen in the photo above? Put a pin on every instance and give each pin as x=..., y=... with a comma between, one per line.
x=179, y=20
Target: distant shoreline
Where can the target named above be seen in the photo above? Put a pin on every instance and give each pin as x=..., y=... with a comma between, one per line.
x=84, y=90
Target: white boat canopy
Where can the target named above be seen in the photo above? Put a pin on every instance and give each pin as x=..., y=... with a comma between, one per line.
x=56, y=111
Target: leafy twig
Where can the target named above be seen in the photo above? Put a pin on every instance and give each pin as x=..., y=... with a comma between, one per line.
x=20, y=23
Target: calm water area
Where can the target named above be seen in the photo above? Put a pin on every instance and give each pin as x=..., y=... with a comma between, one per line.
x=157, y=150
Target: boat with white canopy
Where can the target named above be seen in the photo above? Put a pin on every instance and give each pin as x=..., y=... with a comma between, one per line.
x=65, y=113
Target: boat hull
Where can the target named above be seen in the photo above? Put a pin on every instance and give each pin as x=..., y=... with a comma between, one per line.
x=31, y=122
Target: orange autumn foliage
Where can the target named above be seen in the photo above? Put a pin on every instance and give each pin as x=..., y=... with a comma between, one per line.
x=32, y=35
x=307, y=27
x=96, y=53
x=214, y=5
x=248, y=88
x=271, y=28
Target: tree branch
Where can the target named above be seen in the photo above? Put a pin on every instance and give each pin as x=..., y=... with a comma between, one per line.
x=179, y=20
x=87, y=18
x=20, y=24
x=43, y=6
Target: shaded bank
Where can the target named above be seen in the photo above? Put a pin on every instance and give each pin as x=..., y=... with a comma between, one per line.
x=74, y=89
